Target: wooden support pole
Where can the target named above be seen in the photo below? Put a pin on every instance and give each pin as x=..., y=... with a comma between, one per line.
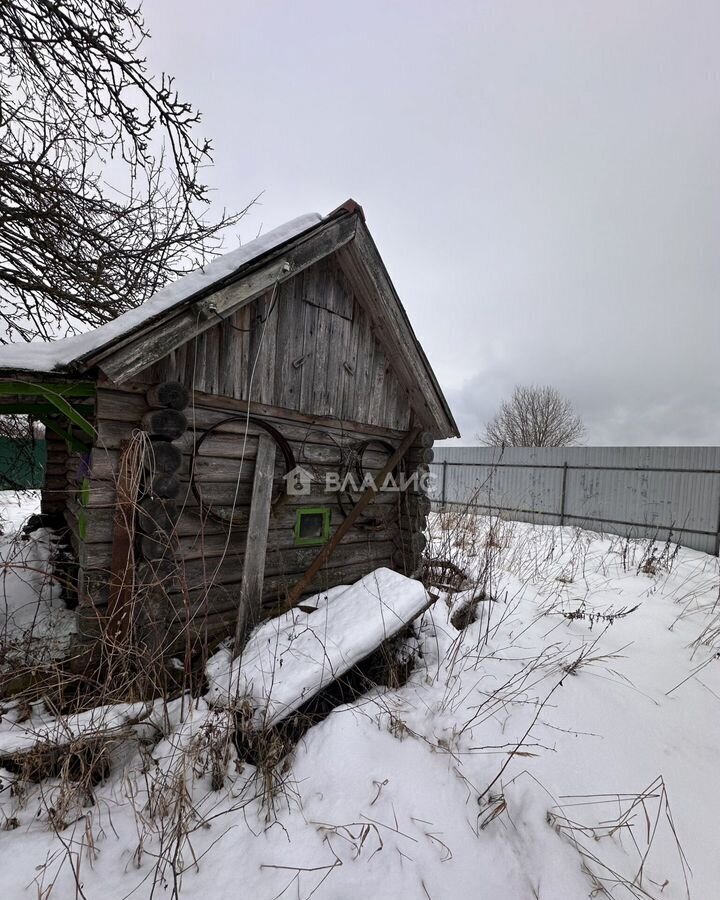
x=122, y=567
x=367, y=497
x=251, y=585
x=563, y=492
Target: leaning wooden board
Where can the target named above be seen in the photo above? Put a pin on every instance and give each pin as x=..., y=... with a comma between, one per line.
x=290, y=659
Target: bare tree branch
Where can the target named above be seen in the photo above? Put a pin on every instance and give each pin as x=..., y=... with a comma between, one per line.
x=77, y=102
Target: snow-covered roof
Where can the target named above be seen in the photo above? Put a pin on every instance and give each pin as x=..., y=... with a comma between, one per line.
x=56, y=355
x=140, y=336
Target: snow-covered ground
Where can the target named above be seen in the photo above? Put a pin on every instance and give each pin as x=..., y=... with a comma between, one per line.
x=34, y=623
x=563, y=743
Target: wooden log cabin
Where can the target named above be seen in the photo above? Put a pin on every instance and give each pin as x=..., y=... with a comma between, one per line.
x=209, y=451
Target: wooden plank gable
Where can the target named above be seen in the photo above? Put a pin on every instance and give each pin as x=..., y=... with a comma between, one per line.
x=309, y=346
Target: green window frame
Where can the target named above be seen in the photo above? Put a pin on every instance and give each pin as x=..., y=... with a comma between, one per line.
x=312, y=540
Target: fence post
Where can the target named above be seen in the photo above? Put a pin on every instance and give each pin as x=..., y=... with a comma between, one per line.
x=442, y=489
x=562, y=495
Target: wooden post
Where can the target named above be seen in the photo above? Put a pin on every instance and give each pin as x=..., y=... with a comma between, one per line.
x=367, y=497
x=562, y=495
x=251, y=585
x=122, y=568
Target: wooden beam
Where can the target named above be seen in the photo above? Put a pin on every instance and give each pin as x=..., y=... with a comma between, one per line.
x=367, y=497
x=251, y=585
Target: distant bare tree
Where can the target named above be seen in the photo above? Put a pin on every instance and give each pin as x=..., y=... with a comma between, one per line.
x=534, y=417
x=101, y=201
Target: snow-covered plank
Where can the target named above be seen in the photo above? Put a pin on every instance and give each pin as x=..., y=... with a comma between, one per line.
x=290, y=659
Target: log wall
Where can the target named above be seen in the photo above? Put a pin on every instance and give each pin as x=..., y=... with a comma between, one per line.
x=308, y=359
x=207, y=554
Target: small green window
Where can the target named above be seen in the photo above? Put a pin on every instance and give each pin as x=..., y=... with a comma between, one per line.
x=312, y=526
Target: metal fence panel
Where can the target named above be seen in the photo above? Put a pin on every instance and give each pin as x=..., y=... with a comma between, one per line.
x=641, y=491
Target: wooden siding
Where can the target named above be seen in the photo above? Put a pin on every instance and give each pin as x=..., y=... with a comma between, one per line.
x=310, y=347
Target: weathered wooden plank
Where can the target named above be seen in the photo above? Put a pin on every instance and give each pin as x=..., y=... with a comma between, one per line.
x=377, y=396
x=307, y=365
x=263, y=387
x=288, y=374
x=339, y=344
x=322, y=373
x=349, y=363
x=253, y=569
x=366, y=360
x=242, y=324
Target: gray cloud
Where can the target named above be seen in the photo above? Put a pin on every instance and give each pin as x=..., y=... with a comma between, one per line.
x=541, y=178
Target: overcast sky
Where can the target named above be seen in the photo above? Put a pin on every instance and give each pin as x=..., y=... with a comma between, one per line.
x=542, y=180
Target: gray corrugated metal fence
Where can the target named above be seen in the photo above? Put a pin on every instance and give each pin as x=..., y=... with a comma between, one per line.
x=641, y=491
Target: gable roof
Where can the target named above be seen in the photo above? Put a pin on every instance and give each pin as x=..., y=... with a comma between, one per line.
x=197, y=301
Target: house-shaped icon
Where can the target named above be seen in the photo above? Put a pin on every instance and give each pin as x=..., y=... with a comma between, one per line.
x=298, y=482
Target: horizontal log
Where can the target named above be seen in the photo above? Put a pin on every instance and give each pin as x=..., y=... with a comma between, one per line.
x=152, y=571
x=126, y=403
x=210, y=615
x=223, y=597
x=165, y=423
x=421, y=456
x=234, y=441
x=194, y=538
x=425, y=439
x=154, y=546
x=168, y=393
x=162, y=456
x=407, y=562
x=222, y=494
x=156, y=514
x=287, y=559
x=166, y=486
x=413, y=541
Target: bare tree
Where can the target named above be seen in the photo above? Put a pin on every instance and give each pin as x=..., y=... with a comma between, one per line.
x=78, y=109
x=534, y=417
